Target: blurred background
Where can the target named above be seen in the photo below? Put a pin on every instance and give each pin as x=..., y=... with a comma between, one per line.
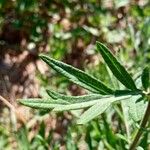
x=65, y=30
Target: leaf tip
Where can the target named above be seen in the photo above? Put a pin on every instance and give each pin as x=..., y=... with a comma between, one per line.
x=21, y=101
x=99, y=44
x=41, y=55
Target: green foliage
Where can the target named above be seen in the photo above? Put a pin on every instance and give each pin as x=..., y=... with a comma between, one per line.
x=97, y=102
x=146, y=78
x=124, y=25
x=77, y=76
x=117, y=69
x=99, y=108
x=4, y=143
x=102, y=97
x=73, y=99
x=22, y=136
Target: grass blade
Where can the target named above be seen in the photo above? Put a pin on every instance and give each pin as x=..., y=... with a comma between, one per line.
x=117, y=69
x=77, y=76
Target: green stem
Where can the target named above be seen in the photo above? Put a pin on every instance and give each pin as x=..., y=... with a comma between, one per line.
x=143, y=125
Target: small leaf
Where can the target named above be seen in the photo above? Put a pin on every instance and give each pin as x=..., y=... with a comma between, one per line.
x=53, y=94
x=77, y=76
x=146, y=78
x=75, y=99
x=93, y=112
x=99, y=108
x=75, y=106
x=89, y=103
x=41, y=103
x=117, y=69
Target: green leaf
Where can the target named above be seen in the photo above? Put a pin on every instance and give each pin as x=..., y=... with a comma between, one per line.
x=132, y=111
x=22, y=138
x=88, y=103
x=120, y=136
x=93, y=112
x=74, y=99
x=42, y=103
x=117, y=69
x=146, y=78
x=127, y=92
x=75, y=106
x=77, y=76
x=99, y=108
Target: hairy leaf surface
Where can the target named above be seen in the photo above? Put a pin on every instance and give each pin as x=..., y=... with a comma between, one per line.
x=117, y=69
x=75, y=99
x=42, y=103
x=77, y=76
x=89, y=103
x=99, y=108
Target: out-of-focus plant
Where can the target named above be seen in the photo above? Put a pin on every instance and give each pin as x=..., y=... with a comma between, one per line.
x=101, y=96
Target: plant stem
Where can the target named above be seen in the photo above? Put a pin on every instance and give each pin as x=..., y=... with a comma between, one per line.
x=7, y=103
x=143, y=125
x=13, y=109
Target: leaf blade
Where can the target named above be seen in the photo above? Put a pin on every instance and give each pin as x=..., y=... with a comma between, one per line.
x=145, y=78
x=117, y=69
x=98, y=109
x=89, y=103
x=41, y=103
x=74, y=99
x=75, y=106
x=93, y=112
x=77, y=76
